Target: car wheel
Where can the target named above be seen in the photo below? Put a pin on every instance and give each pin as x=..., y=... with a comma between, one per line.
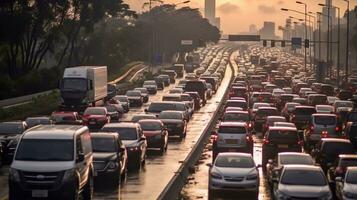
x=88, y=189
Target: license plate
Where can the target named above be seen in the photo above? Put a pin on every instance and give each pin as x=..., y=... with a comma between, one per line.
x=283, y=146
x=40, y=193
x=231, y=141
x=91, y=122
x=231, y=150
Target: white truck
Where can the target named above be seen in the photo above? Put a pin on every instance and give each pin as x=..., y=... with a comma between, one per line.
x=83, y=86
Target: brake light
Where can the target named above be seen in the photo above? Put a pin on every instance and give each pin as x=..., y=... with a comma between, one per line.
x=214, y=138
x=249, y=125
x=312, y=128
x=324, y=134
x=249, y=138
x=266, y=141
x=300, y=142
x=337, y=128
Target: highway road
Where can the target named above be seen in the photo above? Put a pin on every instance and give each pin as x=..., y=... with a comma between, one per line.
x=149, y=182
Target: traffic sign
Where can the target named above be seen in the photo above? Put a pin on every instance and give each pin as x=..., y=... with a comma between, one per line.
x=296, y=42
x=186, y=42
x=246, y=38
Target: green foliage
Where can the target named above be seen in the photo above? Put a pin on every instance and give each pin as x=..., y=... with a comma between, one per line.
x=42, y=105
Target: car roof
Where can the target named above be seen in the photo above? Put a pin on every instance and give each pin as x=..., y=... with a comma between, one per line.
x=267, y=108
x=323, y=115
x=236, y=112
x=235, y=154
x=276, y=117
x=168, y=102
x=237, y=100
x=232, y=124
x=150, y=121
x=335, y=140
x=54, y=131
x=122, y=125
x=171, y=95
x=312, y=107
x=294, y=154
x=302, y=167
x=279, y=128
x=347, y=156
x=324, y=106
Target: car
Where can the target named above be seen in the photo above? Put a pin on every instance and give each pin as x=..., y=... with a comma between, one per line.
x=144, y=94
x=196, y=98
x=151, y=86
x=212, y=81
x=135, y=98
x=197, y=86
x=237, y=103
x=327, y=151
x=301, y=116
x=261, y=116
x=346, y=186
x=270, y=120
x=172, y=75
x=111, y=90
x=124, y=101
x=283, y=99
x=326, y=89
x=302, y=182
x=342, y=103
x=236, y=116
x=1, y=155
x=137, y=117
x=209, y=91
x=10, y=133
x=176, y=91
x=234, y=172
x=163, y=78
x=233, y=109
x=95, y=117
x=236, y=91
x=340, y=166
x=232, y=137
x=316, y=99
x=325, y=109
x=109, y=158
x=256, y=106
x=158, y=106
x=279, y=139
x=66, y=151
x=350, y=133
x=321, y=126
x=267, y=97
x=302, y=101
x=345, y=94
x=288, y=109
x=66, y=117
x=175, y=123
x=186, y=98
x=331, y=99
x=254, y=98
x=276, y=165
x=115, y=111
x=156, y=134
x=284, y=124
x=34, y=121
x=134, y=141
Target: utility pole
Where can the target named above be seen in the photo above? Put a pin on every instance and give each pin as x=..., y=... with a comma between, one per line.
x=347, y=40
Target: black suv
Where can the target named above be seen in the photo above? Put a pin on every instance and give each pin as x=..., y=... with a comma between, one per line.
x=197, y=86
x=279, y=139
x=328, y=149
x=109, y=157
x=301, y=116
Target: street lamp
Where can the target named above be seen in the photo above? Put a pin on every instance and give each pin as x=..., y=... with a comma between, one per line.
x=305, y=5
x=328, y=33
x=347, y=39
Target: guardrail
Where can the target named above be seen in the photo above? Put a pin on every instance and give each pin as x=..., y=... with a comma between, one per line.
x=27, y=98
x=174, y=187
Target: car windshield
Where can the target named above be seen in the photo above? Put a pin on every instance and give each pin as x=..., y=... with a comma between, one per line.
x=283, y=136
x=170, y=115
x=232, y=129
x=74, y=84
x=158, y=107
x=105, y=144
x=171, y=98
x=94, y=111
x=150, y=126
x=121, y=99
x=303, y=177
x=234, y=162
x=236, y=117
x=304, y=111
x=133, y=93
x=125, y=133
x=111, y=108
x=11, y=128
x=36, y=121
x=136, y=118
x=336, y=148
x=267, y=112
x=296, y=160
x=186, y=98
x=343, y=104
x=45, y=150
x=348, y=162
x=351, y=177
x=325, y=120
x=257, y=105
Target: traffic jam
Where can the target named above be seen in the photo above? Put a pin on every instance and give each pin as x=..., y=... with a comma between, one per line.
x=77, y=148
x=281, y=135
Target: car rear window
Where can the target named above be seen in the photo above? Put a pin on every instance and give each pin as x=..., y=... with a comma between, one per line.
x=350, y=162
x=236, y=117
x=319, y=99
x=352, y=117
x=158, y=107
x=234, y=161
x=304, y=111
x=125, y=133
x=283, y=136
x=325, y=120
x=232, y=129
x=267, y=112
x=336, y=148
x=237, y=104
x=296, y=160
x=303, y=177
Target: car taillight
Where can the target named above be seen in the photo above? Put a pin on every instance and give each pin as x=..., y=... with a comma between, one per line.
x=266, y=141
x=300, y=142
x=249, y=138
x=312, y=128
x=337, y=128
x=249, y=125
x=339, y=170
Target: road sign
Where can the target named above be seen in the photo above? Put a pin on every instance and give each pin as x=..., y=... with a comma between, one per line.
x=244, y=38
x=186, y=42
x=296, y=42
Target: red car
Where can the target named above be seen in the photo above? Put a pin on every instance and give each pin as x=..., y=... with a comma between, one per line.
x=66, y=117
x=156, y=134
x=95, y=117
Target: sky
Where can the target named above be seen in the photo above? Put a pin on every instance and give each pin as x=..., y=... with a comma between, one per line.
x=237, y=15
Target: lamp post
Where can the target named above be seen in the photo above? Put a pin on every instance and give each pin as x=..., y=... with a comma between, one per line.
x=314, y=25
x=328, y=35
x=319, y=22
x=328, y=41
x=305, y=5
x=347, y=40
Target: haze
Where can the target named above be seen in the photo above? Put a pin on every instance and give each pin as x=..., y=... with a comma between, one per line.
x=237, y=15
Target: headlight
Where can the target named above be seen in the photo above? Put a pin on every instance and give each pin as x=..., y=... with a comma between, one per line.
x=133, y=148
x=14, y=175
x=252, y=177
x=69, y=174
x=216, y=175
x=112, y=165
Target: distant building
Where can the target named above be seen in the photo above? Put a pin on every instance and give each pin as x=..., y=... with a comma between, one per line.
x=210, y=13
x=268, y=31
x=333, y=18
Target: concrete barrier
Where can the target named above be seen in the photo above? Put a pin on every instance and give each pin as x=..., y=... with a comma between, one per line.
x=174, y=187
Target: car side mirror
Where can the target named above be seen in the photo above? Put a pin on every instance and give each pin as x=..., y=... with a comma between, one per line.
x=80, y=157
